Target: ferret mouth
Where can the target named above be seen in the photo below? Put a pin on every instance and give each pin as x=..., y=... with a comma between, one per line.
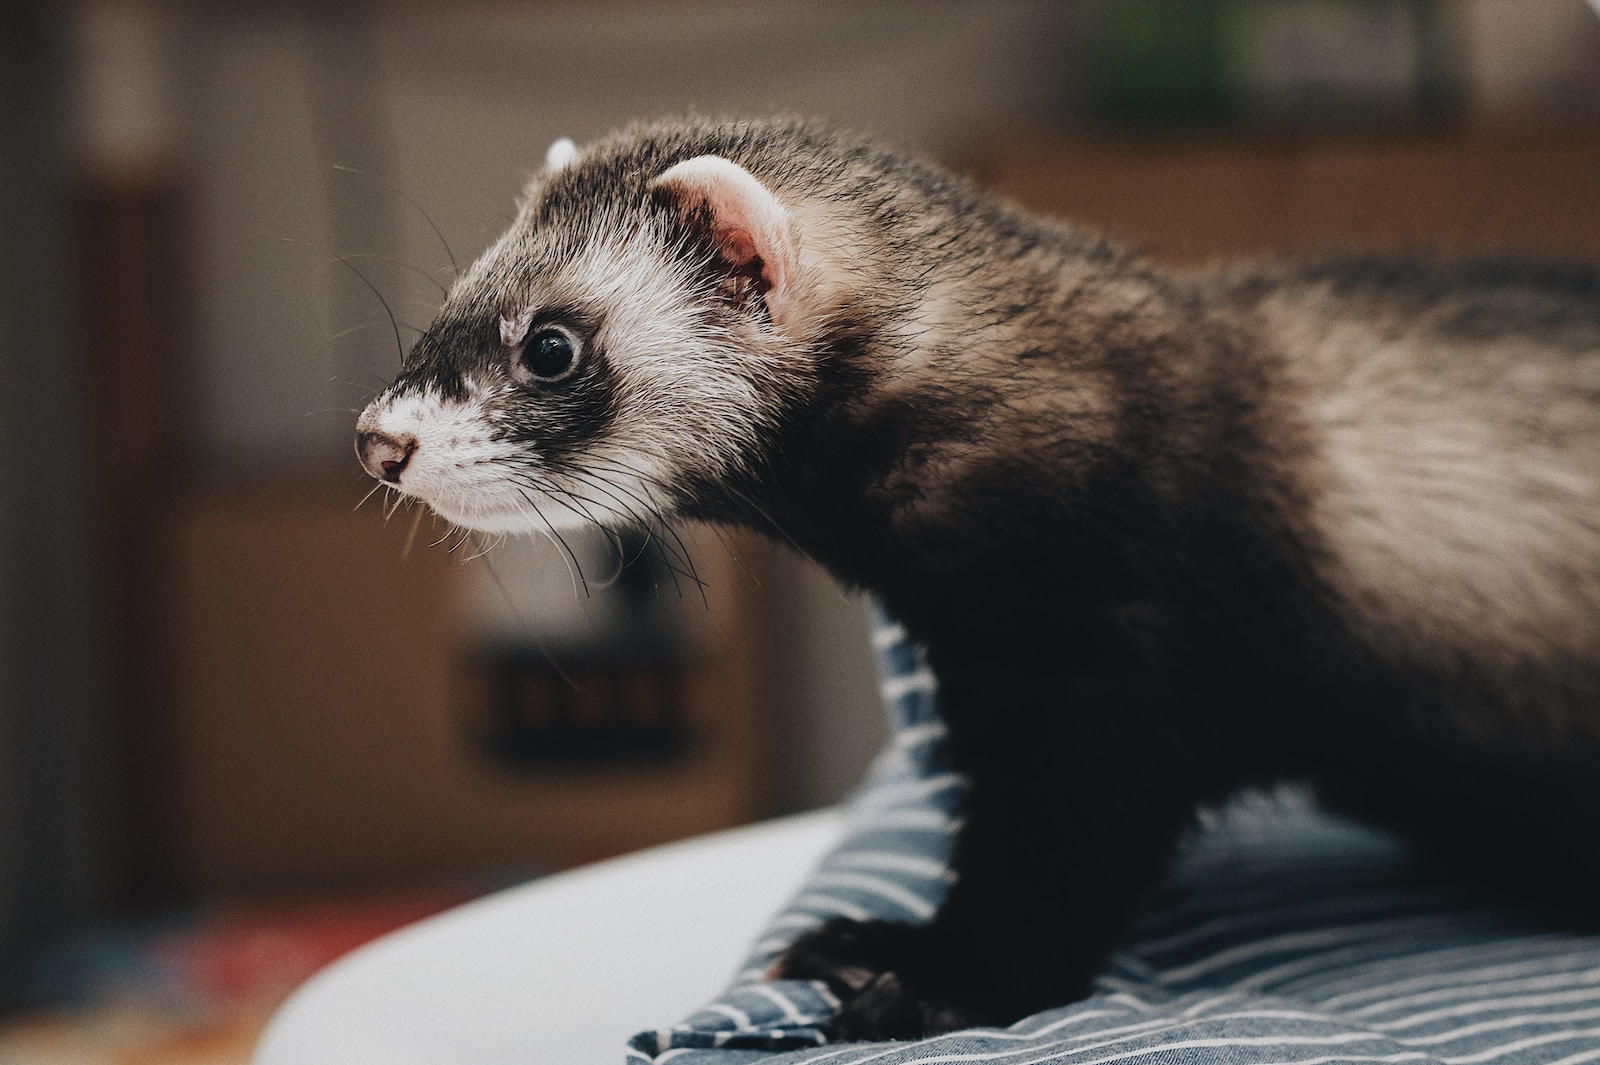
x=491, y=517
x=541, y=513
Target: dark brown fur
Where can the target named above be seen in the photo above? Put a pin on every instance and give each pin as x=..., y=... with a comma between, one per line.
x=1163, y=537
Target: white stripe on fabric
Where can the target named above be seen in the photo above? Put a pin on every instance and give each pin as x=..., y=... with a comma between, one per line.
x=876, y=885
x=921, y=681
x=1307, y=970
x=1484, y=1006
x=739, y=1017
x=1574, y=1059
x=1406, y=1055
x=916, y=735
x=1523, y=1044
x=1499, y=1026
x=912, y=818
x=885, y=637
x=1164, y=1048
x=793, y=920
x=1356, y=934
x=1300, y=911
x=791, y=1012
x=899, y=793
x=831, y=905
x=1535, y=975
x=894, y=861
x=1099, y=1040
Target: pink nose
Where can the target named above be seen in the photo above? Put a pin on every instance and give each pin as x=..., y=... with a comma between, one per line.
x=385, y=456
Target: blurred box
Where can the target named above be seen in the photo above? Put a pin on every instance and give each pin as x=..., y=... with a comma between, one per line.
x=338, y=720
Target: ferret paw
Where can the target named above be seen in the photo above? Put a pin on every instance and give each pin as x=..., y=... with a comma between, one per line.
x=880, y=972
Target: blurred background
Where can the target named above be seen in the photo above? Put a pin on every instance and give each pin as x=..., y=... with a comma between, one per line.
x=246, y=722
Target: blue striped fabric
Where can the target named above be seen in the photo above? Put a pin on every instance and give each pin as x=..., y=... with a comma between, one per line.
x=1285, y=937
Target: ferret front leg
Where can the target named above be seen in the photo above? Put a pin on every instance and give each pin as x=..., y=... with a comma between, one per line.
x=1069, y=823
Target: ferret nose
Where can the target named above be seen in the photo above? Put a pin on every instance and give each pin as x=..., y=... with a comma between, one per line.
x=385, y=456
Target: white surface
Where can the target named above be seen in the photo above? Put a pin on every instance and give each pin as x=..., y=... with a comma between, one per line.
x=562, y=970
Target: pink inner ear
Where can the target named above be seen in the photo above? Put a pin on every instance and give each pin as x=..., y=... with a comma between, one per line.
x=736, y=246
x=739, y=248
x=748, y=223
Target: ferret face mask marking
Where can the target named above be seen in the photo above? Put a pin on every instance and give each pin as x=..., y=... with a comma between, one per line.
x=607, y=351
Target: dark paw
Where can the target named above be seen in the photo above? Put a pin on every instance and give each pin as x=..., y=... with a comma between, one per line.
x=887, y=977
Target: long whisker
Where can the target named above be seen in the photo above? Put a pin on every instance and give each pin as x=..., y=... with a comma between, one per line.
x=455, y=268
x=616, y=465
x=772, y=522
x=622, y=563
x=340, y=334
x=411, y=537
x=402, y=264
x=466, y=534
x=374, y=490
x=368, y=390
x=616, y=492
x=648, y=542
x=486, y=545
x=544, y=651
x=736, y=554
x=575, y=567
x=579, y=505
x=686, y=567
x=649, y=506
x=393, y=323
x=568, y=500
x=391, y=504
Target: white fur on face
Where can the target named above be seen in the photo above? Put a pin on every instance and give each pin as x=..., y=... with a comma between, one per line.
x=476, y=479
x=513, y=331
x=688, y=401
x=693, y=390
x=455, y=464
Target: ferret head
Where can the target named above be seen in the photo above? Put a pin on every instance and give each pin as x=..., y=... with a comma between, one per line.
x=636, y=333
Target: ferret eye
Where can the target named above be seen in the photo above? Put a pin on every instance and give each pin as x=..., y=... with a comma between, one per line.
x=550, y=353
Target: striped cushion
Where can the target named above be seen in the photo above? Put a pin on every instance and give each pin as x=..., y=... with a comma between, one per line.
x=1285, y=937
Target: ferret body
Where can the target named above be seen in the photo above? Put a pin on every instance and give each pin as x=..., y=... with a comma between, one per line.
x=1163, y=537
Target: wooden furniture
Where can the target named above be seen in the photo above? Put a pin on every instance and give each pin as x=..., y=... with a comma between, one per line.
x=1188, y=201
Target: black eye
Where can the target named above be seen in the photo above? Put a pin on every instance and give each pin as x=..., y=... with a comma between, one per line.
x=549, y=353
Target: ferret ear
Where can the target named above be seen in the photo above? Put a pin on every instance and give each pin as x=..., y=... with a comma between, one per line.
x=560, y=154
x=744, y=222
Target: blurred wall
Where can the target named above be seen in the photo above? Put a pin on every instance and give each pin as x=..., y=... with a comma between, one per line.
x=53, y=828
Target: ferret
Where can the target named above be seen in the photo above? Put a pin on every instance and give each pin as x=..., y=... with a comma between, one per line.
x=1163, y=536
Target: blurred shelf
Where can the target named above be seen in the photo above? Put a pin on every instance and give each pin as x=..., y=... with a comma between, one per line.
x=1192, y=199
